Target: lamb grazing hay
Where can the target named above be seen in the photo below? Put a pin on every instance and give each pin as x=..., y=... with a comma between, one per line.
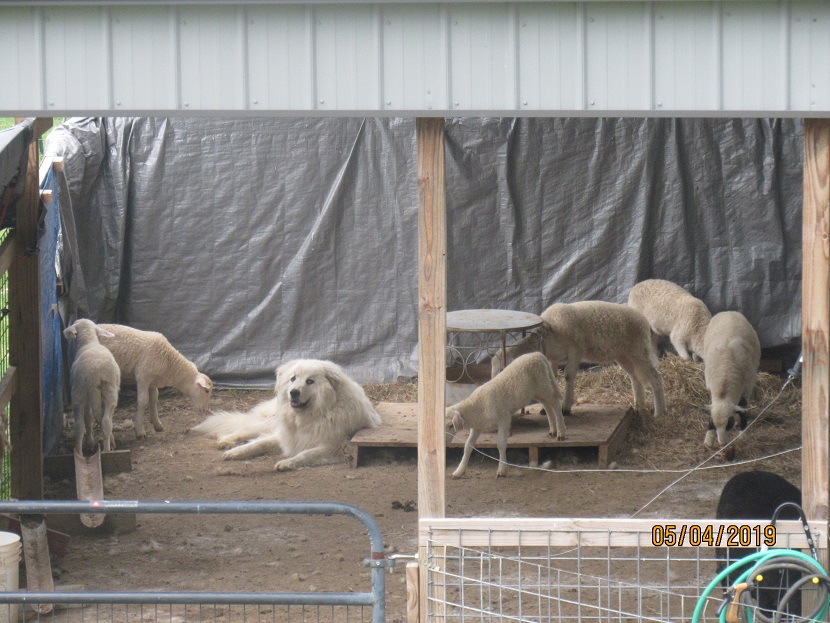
x=674, y=442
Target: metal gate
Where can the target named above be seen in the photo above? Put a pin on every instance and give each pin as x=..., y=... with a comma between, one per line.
x=221, y=607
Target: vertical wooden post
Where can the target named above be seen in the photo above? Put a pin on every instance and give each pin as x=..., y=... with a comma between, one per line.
x=432, y=320
x=24, y=338
x=815, y=321
x=432, y=327
x=413, y=593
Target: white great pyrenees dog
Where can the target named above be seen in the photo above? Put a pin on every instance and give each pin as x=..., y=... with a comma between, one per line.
x=313, y=415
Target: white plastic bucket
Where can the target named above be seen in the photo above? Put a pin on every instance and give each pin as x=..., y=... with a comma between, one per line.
x=9, y=573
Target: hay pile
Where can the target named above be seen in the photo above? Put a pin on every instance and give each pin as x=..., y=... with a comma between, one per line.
x=676, y=440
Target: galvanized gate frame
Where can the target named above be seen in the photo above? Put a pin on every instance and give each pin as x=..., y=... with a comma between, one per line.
x=376, y=561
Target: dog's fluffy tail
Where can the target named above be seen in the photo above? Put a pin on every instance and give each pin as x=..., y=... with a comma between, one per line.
x=257, y=421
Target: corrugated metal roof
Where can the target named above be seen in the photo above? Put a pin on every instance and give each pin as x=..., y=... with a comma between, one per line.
x=740, y=58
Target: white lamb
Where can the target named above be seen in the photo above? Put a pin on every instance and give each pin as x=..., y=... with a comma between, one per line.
x=731, y=356
x=595, y=332
x=529, y=378
x=149, y=361
x=94, y=380
x=672, y=311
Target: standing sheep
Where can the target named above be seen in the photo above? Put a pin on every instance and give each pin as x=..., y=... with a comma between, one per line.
x=731, y=356
x=149, y=361
x=596, y=332
x=94, y=380
x=529, y=378
x=672, y=311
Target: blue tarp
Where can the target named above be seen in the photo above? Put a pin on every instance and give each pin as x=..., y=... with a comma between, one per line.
x=50, y=325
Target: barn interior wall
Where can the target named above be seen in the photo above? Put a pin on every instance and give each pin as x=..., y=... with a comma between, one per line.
x=249, y=242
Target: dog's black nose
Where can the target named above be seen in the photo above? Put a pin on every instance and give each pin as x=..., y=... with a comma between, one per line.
x=294, y=393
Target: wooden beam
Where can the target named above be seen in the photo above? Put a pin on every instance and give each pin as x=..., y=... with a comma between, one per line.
x=41, y=125
x=49, y=164
x=413, y=593
x=432, y=321
x=522, y=532
x=24, y=341
x=815, y=323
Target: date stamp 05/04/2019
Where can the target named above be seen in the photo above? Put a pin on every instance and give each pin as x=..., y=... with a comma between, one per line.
x=733, y=535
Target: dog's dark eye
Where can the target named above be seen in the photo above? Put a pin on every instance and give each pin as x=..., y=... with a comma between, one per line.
x=293, y=378
x=309, y=381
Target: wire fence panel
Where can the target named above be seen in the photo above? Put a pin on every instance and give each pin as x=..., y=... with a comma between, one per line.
x=224, y=607
x=586, y=571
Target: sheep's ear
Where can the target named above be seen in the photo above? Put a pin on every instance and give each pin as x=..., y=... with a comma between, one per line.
x=204, y=382
x=103, y=332
x=454, y=419
x=70, y=333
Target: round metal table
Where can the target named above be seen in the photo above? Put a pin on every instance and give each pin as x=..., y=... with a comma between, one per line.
x=485, y=323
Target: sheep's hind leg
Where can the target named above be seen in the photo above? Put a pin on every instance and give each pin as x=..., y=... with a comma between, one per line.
x=468, y=450
x=106, y=422
x=79, y=429
x=142, y=398
x=556, y=423
x=680, y=346
x=154, y=410
x=501, y=443
x=636, y=384
x=570, y=378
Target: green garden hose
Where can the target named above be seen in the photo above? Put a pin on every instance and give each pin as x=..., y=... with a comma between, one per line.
x=755, y=566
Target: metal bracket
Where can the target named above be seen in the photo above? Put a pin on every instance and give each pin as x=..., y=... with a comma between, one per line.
x=378, y=563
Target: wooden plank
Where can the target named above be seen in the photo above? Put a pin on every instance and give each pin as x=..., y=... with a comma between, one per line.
x=613, y=532
x=432, y=321
x=53, y=164
x=611, y=448
x=816, y=318
x=25, y=341
x=413, y=593
x=8, y=251
x=41, y=125
x=591, y=426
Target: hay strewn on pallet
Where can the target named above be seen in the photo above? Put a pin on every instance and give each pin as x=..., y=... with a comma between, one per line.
x=676, y=441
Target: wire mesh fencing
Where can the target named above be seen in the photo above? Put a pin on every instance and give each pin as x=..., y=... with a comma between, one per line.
x=89, y=606
x=586, y=571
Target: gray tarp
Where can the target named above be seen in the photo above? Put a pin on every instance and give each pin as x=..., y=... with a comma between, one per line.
x=249, y=242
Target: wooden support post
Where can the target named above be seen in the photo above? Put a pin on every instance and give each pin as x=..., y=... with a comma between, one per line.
x=432, y=329
x=413, y=593
x=815, y=324
x=24, y=339
x=432, y=321
x=816, y=318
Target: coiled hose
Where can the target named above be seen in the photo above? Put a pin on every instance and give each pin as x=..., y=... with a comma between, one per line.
x=739, y=605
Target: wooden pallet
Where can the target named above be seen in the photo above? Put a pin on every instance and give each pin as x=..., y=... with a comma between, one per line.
x=603, y=427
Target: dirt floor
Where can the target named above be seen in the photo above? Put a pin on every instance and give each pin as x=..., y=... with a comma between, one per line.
x=236, y=553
